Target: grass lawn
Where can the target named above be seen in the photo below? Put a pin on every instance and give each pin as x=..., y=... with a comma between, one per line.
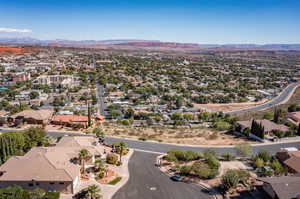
x=115, y=181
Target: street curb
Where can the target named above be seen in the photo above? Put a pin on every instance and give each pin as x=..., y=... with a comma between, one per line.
x=204, y=186
x=126, y=178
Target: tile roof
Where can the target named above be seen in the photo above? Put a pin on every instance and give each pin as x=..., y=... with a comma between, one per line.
x=285, y=187
x=48, y=163
x=268, y=125
x=70, y=118
x=35, y=114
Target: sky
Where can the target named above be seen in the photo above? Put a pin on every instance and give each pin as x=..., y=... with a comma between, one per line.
x=190, y=21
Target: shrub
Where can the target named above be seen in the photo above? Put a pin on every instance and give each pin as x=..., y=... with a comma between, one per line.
x=230, y=179
x=277, y=167
x=179, y=154
x=100, y=175
x=264, y=155
x=259, y=163
x=233, y=177
x=185, y=170
x=170, y=158
x=193, y=155
x=222, y=126
x=51, y=195
x=213, y=162
x=119, y=163
x=266, y=171
x=111, y=158
x=247, y=131
x=278, y=133
x=202, y=170
x=228, y=157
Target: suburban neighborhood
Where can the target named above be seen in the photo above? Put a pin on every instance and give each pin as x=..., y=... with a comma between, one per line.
x=149, y=99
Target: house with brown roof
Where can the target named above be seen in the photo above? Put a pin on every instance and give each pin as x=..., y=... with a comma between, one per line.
x=70, y=120
x=284, y=187
x=290, y=159
x=293, y=117
x=32, y=116
x=48, y=168
x=268, y=125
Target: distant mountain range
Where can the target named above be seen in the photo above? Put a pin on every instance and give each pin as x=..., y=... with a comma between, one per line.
x=131, y=43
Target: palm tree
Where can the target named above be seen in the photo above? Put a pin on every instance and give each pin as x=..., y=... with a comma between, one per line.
x=122, y=147
x=83, y=155
x=94, y=192
x=101, y=166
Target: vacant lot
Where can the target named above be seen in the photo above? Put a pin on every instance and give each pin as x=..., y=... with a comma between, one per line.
x=199, y=136
x=229, y=106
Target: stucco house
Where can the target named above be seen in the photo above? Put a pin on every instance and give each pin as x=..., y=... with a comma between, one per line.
x=49, y=168
x=32, y=116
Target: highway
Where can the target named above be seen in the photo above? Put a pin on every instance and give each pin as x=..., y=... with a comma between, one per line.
x=281, y=98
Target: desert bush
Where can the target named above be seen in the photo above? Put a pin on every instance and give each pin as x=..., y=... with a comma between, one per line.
x=111, y=158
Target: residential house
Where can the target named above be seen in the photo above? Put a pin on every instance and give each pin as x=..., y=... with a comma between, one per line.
x=43, y=168
x=32, y=117
x=70, y=120
x=290, y=157
x=294, y=117
x=284, y=187
x=268, y=125
x=20, y=77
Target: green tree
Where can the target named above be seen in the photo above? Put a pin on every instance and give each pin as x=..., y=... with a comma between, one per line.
x=94, y=192
x=83, y=156
x=33, y=95
x=99, y=133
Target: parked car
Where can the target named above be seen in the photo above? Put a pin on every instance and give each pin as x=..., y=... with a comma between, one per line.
x=176, y=178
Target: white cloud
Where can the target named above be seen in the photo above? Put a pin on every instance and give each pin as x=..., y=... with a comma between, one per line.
x=15, y=30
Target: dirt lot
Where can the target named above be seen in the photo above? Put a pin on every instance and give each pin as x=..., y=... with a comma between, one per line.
x=171, y=135
x=229, y=106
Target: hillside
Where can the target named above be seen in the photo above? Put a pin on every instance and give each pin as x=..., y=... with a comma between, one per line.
x=13, y=51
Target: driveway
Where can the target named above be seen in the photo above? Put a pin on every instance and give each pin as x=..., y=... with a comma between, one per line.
x=148, y=182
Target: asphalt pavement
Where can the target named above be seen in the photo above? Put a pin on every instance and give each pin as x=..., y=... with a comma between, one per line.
x=100, y=97
x=164, y=147
x=148, y=182
x=281, y=98
x=158, y=147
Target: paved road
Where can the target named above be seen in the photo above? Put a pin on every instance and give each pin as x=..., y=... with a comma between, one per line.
x=148, y=182
x=163, y=147
x=286, y=93
x=100, y=97
x=156, y=147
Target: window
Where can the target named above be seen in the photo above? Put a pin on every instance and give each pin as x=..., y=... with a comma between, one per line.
x=37, y=183
x=61, y=183
x=30, y=184
x=52, y=183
